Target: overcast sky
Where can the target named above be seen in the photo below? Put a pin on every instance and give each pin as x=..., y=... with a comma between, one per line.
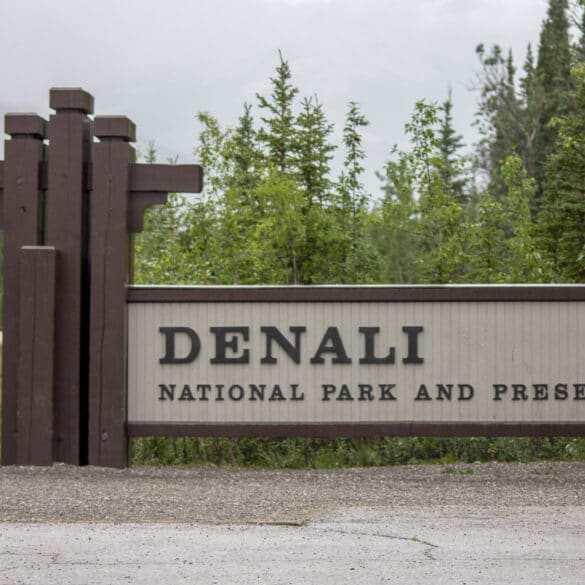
x=161, y=61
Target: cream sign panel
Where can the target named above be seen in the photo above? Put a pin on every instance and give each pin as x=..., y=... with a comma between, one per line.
x=311, y=362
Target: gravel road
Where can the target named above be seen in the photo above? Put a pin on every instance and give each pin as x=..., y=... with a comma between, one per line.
x=242, y=496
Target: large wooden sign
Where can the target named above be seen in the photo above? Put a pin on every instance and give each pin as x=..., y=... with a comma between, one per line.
x=325, y=361
x=89, y=360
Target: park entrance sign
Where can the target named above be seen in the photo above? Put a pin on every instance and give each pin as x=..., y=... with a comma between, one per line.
x=330, y=361
x=90, y=360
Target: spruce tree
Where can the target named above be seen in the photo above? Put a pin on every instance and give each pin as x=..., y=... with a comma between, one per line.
x=562, y=221
x=245, y=156
x=352, y=192
x=278, y=133
x=314, y=152
x=450, y=144
x=553, y=75
x=353, y=198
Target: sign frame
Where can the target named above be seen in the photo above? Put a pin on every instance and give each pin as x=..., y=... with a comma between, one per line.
x=349, y=294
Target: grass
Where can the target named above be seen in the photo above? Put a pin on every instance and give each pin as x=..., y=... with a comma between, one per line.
x=360, y=452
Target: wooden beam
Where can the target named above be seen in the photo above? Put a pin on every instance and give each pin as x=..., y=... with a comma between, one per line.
x=108, y=442
x=67, y=230
x=167, y=178
x=36, y=355
x=22, y=223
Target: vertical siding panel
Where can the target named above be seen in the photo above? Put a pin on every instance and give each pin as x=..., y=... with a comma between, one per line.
x=480, y=343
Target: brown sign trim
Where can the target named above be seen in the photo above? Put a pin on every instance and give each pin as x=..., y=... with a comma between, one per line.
x=344, y=429
x=422, y=293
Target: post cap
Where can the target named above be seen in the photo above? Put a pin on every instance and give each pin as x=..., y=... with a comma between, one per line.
x=71, y=98
x=25, y=125
x=117, y=127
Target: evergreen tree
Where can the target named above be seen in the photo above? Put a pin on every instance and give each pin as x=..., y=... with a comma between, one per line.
x=278, y=133
x=245, y=156
x=562, y=220
x=239, y=206
x=450, y=144
x=353, y=197
x=314, y=152
x=360, y=259
x=320, y=255
x=553, y=74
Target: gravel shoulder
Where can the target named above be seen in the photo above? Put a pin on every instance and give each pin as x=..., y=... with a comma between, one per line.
x=205, y=495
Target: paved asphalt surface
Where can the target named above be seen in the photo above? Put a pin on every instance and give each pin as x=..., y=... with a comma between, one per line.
x=362, y=545
x=413, y=526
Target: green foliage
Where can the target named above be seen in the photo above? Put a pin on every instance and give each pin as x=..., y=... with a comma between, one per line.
x=423, y=204
x=278, y=134
x=314, y=153
x=553, y=78
x=563, y=215
x=360, y=452
x=272, y=213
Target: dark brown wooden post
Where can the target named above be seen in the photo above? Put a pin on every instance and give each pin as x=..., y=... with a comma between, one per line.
x=67, y=231
x=22, y=211
x=112, y=156
x=36, y=355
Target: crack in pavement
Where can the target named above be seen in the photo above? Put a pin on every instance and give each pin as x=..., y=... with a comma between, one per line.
x=413, y=539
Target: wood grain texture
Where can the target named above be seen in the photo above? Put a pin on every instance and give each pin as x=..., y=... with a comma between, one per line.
x=22, y=223
x=109, y=277
x=67, y=231
x=36, y=355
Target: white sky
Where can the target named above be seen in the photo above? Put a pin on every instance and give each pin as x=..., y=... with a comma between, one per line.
x=159, y=62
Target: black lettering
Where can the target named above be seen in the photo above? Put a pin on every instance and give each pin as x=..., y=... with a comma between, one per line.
x=186, y=394
x=444, y=391
x=277, y=393
x=465, y=391
x=167, y=392
x=203, y=389
x=170, y=357
x=365, y=392
x=222, y=343
x=344, y=393
x=236, y=392
x=293, y=351
x=561, y=392
x=579, y=391
x=331, y=343
x=370, y=348
x=412, y=333
x=423, y=393
x=328, y=389
x=540, y=391
x=499, y=389
x=257, y=392
x=386, y=391
x=294, y=396
x=219, y=396
x=519, y=392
